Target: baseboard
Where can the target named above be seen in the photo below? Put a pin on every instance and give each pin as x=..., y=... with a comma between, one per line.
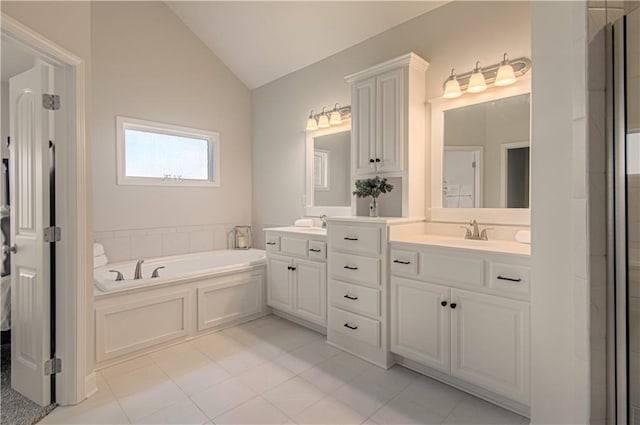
x=299, y=321
x=90, y=385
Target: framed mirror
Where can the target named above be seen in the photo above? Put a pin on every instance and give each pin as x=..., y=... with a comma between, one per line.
x=480, y=151
x=328, y=170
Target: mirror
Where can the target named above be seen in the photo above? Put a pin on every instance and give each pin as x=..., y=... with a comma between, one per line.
x=485, y=159
x=480, y=150
x=329, y=170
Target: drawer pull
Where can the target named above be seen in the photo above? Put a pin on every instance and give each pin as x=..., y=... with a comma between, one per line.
x=271, y=243
x=443, y=303
x=350, y=267
x=349, y=297
x=353, y=328
x=314, y=250
x=350, y=239
x=401, y=262
x=509, y=279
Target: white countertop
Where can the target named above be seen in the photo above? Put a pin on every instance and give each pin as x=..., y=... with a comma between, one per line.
x=316, y=231
x=496, y=245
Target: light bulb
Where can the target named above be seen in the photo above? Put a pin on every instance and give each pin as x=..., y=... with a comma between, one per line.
x=505, y=75
x=452, y=87
x=312, y=124
x=477, y=82
x=323, y=121
x=335, y=118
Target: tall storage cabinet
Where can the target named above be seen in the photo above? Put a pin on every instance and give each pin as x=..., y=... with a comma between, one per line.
x=388, y=126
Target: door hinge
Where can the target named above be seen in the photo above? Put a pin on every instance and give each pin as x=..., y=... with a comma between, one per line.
x=52, y=234
x=52, y=366
x=473, y=164
x=51, y=102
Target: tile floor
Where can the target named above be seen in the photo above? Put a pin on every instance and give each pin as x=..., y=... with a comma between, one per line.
x=270, y=371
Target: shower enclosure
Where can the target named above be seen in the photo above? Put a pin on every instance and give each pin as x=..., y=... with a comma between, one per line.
x=625, y=192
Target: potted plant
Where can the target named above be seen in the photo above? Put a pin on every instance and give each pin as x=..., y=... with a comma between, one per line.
x=373, y=188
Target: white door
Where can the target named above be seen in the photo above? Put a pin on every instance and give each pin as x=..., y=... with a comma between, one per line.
x=420, y=322
x=30, y=130
x=363, y=126
x=311, y=291
x=279, y=282
x=390, y=118
x=490, y=343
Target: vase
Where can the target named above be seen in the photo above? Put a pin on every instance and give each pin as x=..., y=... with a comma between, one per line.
x=373, y=207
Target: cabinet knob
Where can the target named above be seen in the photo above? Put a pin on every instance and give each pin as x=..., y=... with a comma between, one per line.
x=443, y=303
x=371, y=160
x=453, y=305
x=293, y=269
x=378, y=160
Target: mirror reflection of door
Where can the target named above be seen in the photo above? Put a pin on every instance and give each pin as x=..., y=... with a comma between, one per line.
x=461, y=177
x=514, y=176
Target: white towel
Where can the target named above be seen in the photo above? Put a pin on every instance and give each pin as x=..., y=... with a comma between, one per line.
x=98, y=249
x=524, y=236
x=100, y=261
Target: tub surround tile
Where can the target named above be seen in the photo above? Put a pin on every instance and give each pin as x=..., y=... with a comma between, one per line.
x=117, y=249
x=148, y=246
x=200, y=240
x=175, y=243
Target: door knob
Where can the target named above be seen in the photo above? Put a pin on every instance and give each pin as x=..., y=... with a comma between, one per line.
x=10, y=249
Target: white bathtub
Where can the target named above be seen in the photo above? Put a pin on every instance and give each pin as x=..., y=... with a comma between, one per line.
x=177, y=268
x=195, y=294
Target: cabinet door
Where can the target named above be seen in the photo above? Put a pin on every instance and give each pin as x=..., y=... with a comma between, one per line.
x=310, y=291
x=390, y=119
x=363, y=115
x=279, y=282
x=490, y=343
x=420, y=324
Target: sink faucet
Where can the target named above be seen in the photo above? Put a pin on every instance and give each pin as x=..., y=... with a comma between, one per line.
x=138, y=273
x=474, y=232
x=323, y=220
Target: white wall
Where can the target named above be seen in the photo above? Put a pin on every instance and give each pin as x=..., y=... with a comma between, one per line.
x=482, y=31
x=4, y=111
x=560, y=193
x=339, y=148
x=147, y=64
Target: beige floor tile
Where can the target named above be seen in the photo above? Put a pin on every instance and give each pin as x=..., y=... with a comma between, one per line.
x=294, y=395
x=255, y=411
x=222, y=397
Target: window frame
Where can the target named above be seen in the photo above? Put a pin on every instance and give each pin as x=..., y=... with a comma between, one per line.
x=212, y=138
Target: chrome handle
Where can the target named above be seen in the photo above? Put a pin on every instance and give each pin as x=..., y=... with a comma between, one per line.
x=13, y=249
x=401, y=262
x=155, y=273
x=353, y=328
x=510, y=279
x=349, y=297
x=119, y=275
x=350, y=267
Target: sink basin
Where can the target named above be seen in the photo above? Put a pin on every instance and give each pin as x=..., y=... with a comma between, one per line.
x=314, y=230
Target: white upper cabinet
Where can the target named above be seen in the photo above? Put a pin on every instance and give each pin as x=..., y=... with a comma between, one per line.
x=381, y=97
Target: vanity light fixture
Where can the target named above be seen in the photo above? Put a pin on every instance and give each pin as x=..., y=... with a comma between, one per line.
x=335, y=118
x=503, y=73
x=326, y=118
x=312, y=124
x=323, y=120
x=452, y=86
x=477, y=82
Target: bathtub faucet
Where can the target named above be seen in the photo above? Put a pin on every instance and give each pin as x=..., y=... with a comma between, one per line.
x=138, y=273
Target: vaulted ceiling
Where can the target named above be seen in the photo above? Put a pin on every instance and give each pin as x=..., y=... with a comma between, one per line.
x=263, y=41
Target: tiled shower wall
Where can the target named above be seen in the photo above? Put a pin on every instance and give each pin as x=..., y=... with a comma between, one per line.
x=122, y=245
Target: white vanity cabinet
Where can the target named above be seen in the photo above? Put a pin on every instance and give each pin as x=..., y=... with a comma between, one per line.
x=384, y=118
x=297, y=275
x=463, y=319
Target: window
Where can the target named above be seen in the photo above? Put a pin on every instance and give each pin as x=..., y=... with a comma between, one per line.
x=151, y=153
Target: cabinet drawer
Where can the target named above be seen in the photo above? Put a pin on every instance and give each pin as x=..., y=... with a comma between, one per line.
x=294, y=246
x=354, y=268
x=440, y=268
x=404, y=262
x=273, y=243
x=355, y=326
x=317, y=249
x=365, y=240
x=355, y=298
x=509, y=278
